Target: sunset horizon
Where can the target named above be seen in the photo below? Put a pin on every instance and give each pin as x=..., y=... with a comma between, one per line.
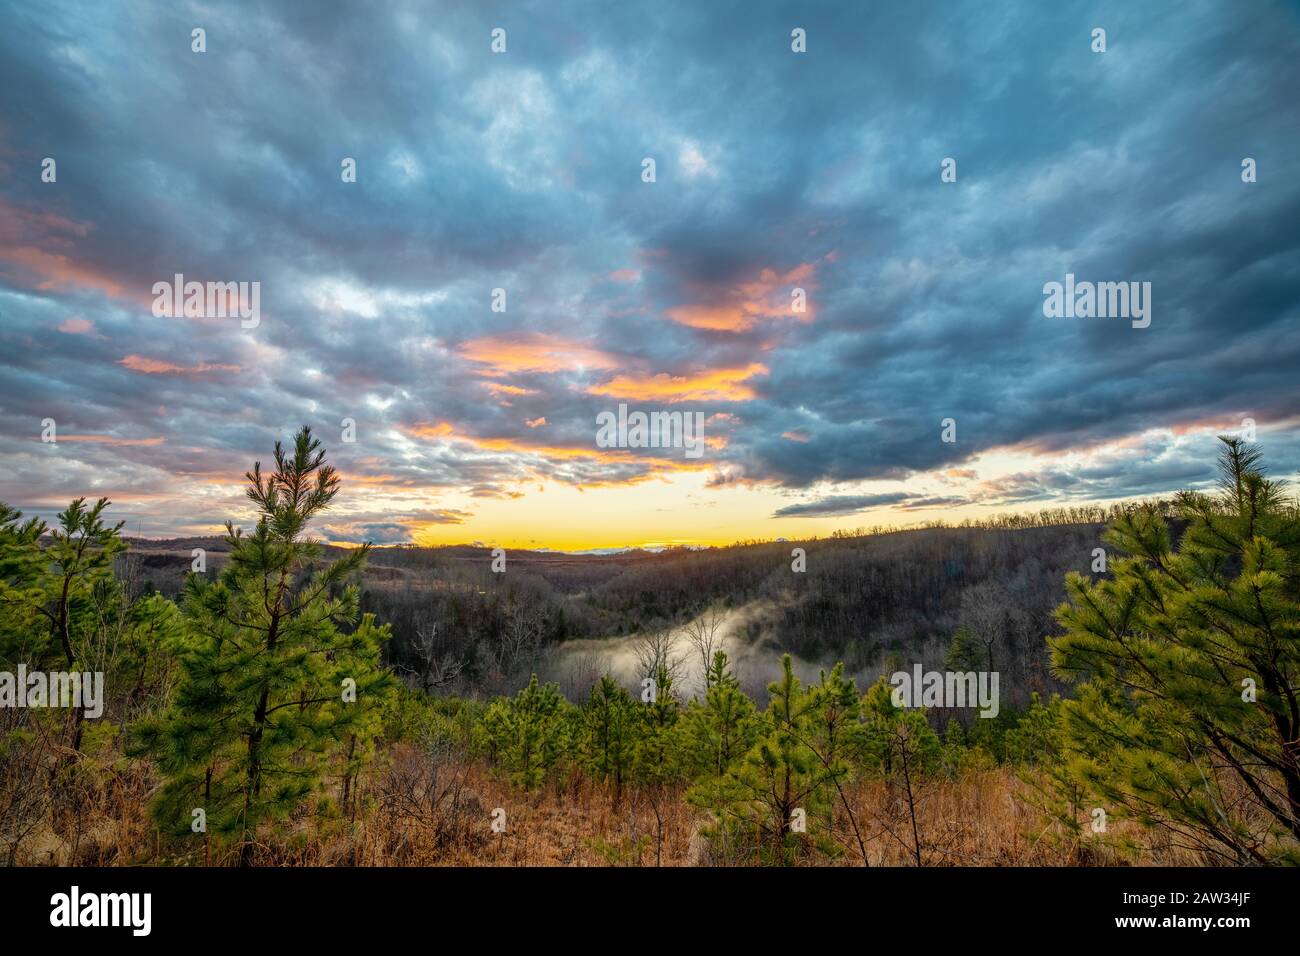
x=444, y=444
x=879, y=309
x=533, y=521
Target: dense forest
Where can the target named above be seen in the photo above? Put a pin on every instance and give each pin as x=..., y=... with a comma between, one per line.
x=271, y=700
x=868, y=598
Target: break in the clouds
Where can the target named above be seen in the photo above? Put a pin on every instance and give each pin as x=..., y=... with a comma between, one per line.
x=523, y=172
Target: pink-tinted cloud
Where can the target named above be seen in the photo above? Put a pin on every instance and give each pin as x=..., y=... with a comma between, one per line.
x=739, y=308
x=535, y=352
x=149, y=366
x=77, y=326
x=38, y=250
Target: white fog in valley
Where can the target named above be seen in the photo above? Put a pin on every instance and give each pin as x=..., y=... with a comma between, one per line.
x=742, y=632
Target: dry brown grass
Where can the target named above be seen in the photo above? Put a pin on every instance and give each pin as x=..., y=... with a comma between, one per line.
x=421, y=809
x=982, y=818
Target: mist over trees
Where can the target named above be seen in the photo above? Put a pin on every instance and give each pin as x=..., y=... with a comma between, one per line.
x=869, y=600
x=308, y=704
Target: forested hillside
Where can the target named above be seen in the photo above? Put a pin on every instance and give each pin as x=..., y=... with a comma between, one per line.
x=865, y=598
x=288, y=702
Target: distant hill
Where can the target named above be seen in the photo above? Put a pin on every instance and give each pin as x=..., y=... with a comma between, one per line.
x=868, y=599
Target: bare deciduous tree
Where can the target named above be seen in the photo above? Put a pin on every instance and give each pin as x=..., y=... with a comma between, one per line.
x=520, y=641
x=434, y=667
x=656, y=650
x=705, y=634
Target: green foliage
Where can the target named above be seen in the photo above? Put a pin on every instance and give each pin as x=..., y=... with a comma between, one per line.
x=53, y=596
x=436, y=723
x=986, y=734
x=280, y=681
x=610, y=725
x=82, y=549
x=626, y=852
x=897, y=740
x=899, y=744
x=722, y=728
x=657, y=756
x=531, y=734
x=966, y=652
x=25, y=636
x=782, y=785
x=836, y=737
x=63, y=608
x=1167, y=650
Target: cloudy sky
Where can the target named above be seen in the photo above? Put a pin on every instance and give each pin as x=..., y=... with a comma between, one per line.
x=523, y=171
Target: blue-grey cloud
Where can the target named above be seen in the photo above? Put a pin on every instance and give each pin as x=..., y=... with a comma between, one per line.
x=839, y=505
x=522, y=171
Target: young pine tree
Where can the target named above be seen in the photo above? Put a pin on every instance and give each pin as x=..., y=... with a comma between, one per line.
x=610, y=722
x=899, y=743
x=722, y=728
x=26, y=636
x=530, y=734
x=835, y=736
x=657, y=760
x=1189, y=712
x=62, y=607
x=51, y=589
x=279, y=675
x=780, y=791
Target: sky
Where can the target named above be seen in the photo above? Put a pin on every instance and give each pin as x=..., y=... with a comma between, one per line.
x=820, y=171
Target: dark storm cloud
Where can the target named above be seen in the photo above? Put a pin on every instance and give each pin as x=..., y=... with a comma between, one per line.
x=522, y=171
x=1156, y=465
x=839, y=505
x=932, y=501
